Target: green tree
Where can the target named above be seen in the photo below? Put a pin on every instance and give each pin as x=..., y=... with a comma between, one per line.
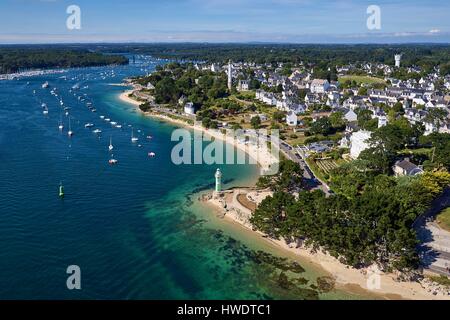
x=321, y=126
x=255, y=122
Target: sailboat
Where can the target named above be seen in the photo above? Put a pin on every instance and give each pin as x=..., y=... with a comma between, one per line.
x=61, y=190
x=61, y=126
x=111, y=147
x=133, y=138
x=70, y=132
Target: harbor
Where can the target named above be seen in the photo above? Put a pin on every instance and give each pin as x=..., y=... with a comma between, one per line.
x=129, y=226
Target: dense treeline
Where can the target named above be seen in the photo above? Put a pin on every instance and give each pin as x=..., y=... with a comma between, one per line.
x=425, y=56
x=370, y=217
x=368, y=221
x=204, y=89
x=322, y=56
x=14, y=59
x=175, y=80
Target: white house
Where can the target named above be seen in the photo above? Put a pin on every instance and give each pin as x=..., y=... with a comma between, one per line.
x=189, y=108
x=359, y=143
x=406, y=168
x=291, y=119
x=351, y=116
x=382, y=121
x=243, y=85
x=319, y=86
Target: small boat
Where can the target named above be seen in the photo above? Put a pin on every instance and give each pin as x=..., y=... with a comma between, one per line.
x=113, y=123
x=97, y=131
x=133, y=138
x=119, y=126
x=88, y=125
x=152, y=154
x=110, y=147
x=61, y=126
x=149, y=137
x=45, y=111
x=102, y=117
x=70, y=132
x=61, y=190
x=45, y=85
x=93, y=110
x=107, y=119
x=112, y=161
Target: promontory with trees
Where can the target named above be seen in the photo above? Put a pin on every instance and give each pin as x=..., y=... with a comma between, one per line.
x=21, y=57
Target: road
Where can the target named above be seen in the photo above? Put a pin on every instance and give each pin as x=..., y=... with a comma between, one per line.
x=311, y=181
x=435, y=242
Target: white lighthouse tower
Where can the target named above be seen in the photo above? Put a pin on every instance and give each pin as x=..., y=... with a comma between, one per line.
x=398, y=60
x=218, y=176
x=230, y=75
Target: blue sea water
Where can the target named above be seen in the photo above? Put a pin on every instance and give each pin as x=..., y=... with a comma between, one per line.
x=134, y=229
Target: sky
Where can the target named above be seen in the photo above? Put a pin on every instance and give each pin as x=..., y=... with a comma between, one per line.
x=281, y=21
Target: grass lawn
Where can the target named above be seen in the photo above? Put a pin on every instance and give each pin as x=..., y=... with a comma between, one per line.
x=361, y=79
x=316, y=170
x=442, y=280
x=421, y=151
x=443, y=219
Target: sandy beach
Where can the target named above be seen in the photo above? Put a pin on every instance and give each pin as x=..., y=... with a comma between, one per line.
x=347, y=278
x=260, y=155
x=124, y=97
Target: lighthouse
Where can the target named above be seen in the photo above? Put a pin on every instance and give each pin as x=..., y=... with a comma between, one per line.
x=398, y=60
x=230, y=75
x=218, y=176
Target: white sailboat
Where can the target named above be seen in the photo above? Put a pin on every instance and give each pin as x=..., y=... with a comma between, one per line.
x=133, y=138
x=44, y=108
x=61, y=126
x=70, y=132
x=110, y=147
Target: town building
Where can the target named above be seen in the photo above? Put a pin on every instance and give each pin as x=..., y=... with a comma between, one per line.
x=189, y=108
x=319, y=86
x=243, y=85
x=406, y=168
x=359, y=142
x=291, y=119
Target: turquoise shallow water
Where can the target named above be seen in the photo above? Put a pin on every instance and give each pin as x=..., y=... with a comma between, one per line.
x=134, y=228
